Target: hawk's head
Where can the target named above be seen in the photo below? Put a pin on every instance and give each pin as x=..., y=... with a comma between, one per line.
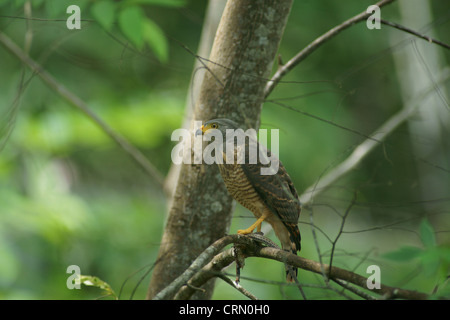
x=217, y=124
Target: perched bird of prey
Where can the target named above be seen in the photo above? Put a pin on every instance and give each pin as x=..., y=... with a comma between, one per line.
x=270, y=197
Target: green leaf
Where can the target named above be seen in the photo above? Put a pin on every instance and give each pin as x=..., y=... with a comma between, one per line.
x=431, y=260
x=9, y=268
x=156, y=40
x=96, y=282
x=131, y=23
x=104, y=13
x=444, y=253
x=406, y=253
x=164, y=3
x=427, y=234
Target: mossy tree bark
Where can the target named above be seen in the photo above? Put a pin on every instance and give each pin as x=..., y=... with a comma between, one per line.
x=239, y=65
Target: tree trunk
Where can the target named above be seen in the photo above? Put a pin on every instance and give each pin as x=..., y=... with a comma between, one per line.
x=212, y=19
x=240, y=62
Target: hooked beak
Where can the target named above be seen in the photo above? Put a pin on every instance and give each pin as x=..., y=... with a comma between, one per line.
x=200, y=131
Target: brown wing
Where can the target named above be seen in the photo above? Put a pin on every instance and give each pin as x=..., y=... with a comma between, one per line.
x=278, y=193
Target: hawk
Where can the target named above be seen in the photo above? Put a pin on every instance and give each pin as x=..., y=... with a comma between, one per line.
x=270, y=197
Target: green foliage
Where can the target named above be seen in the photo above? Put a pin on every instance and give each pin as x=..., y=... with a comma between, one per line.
x=104, y=12
x=134, y=24
x=433, y=259
x=129, y=16
x=427, y=234
x=98, y=283
x=156, y=40
x=131, y=21
x=404, y=254
x=69, y=195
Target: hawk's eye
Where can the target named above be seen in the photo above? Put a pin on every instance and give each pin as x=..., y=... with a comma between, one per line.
x=214, y=126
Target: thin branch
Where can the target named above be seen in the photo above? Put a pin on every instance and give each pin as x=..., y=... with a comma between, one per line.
x=198, y=263
x=29, y=18
x=344, y=217
x=413, y=32
x=209, y=271
x=363, y=149
x=356, y=157
x=316, y=243
x=237, y=286
x=283, y=70
x=430, y=75
x=292, y=63
x=356, y=291
x=210, y=262
x=336, y=273
x=75, y=101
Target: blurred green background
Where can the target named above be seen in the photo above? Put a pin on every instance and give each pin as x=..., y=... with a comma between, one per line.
x=70, y=196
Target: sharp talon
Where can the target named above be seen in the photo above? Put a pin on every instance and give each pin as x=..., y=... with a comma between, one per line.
x=246, y=231
x=256, y=225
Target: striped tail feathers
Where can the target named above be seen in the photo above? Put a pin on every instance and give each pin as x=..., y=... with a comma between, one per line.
x=295, y=245
x=294, y=237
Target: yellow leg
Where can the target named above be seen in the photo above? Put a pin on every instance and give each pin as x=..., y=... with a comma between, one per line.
x=257, y=225
x=258, y=229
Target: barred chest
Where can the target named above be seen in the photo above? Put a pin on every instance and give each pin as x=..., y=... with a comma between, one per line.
x=240, y=188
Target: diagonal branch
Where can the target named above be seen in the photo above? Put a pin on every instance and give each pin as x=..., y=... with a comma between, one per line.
x=237, y=286
x=341, y=229
x=283, y=70
x=413, y=32
x=337, y=273
x=211, y=261
x=198, y=263
x=75, y=101
x=363, y=149
x=357, y=155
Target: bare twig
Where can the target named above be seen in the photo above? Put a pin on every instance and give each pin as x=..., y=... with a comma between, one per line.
x=75, y=101
x=283, y=70
x=237, y=286
x=357, y=155
x=363, y=149
x=413, y=32
x=356, y=291
x=341, y=229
